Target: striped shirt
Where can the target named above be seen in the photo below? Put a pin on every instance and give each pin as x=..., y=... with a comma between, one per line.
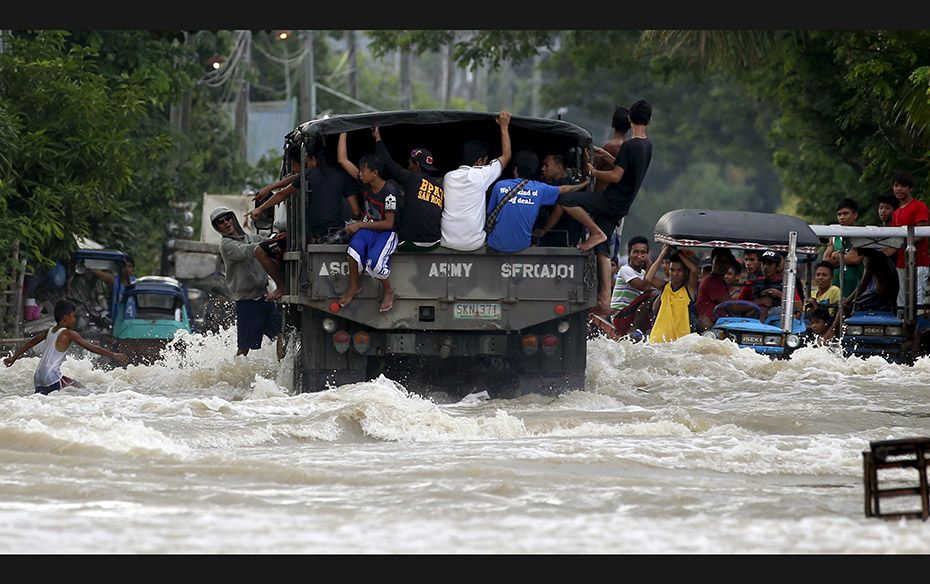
x=623, y=294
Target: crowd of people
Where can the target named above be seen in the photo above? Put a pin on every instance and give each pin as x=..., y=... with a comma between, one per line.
x=688, y=296
x=376, y=206
x=380, y=206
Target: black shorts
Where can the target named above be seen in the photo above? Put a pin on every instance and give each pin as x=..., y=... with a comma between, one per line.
x=603, y=211
x=255, y=318
x=275, y=249
x=63, y=382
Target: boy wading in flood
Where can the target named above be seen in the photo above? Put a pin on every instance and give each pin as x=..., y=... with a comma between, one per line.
x=58, y=339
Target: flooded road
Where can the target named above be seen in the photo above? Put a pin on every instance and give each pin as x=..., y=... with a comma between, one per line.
x=694, y=446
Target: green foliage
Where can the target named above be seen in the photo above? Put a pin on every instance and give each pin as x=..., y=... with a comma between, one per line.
x=88, y=146
x=709, y=133
x=852, y=108
x=470, y=49
x=73, y=154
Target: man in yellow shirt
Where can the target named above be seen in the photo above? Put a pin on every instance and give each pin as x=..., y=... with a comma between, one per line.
x=826, y=295
x=676, y=308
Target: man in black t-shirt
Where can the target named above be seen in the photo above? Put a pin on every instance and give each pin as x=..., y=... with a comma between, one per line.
x=329, y=191
x=419, y=222
x=601, y=212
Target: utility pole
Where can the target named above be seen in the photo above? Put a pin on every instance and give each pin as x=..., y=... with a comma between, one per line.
x=287, y=73
x=447, y=74
x=308, y=81
x=353, y=64
x=406, y=94
x=535, y=107
x=242, y=99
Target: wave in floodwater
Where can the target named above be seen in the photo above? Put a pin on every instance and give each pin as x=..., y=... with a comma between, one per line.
x=695, y=445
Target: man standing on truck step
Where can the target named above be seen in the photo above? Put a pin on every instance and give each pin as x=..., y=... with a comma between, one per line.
x=601, y=212
x=514, y=227
x=463, y=213
x=246, y=263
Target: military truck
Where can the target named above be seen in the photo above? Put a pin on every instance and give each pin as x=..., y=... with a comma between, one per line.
x=461, y=321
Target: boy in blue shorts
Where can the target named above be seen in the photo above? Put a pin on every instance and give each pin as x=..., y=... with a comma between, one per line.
x=373, y=239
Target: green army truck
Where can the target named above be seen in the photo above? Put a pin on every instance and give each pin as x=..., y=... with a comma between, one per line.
x=461, y=322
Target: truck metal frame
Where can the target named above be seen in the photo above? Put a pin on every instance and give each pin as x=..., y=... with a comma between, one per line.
x=898, y=339
x=461, y=321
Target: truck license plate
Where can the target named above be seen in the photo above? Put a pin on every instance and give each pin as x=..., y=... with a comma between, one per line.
x=477, y=311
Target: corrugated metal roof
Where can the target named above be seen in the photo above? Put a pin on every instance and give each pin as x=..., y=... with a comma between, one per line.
x=269, y=122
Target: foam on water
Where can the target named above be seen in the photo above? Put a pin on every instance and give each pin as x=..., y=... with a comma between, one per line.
x=695, y=446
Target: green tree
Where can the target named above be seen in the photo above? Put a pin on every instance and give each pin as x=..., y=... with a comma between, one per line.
x=89, y=147
x=72, y=152
x=852, y=106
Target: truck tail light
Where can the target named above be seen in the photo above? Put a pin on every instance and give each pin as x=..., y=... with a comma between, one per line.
x=530, y=344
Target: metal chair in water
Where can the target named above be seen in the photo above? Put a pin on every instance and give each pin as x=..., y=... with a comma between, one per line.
x=904, y=453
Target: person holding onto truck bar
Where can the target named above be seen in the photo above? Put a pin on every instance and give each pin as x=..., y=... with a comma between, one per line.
x=373, y=239
x=246, y=263
x=464, y=211
x=601, y=212
x=329, y=192
x=420, y=224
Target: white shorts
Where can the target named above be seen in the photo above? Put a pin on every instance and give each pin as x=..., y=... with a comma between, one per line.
x=921, y=274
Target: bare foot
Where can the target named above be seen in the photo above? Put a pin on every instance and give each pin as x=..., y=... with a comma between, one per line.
x=604, y=325
x=601, y=310
x=274, y=295
x=387, y=303
x=349, y=295
x=592, y=240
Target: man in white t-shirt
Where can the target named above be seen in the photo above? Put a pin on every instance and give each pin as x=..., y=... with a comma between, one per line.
x=463, y=211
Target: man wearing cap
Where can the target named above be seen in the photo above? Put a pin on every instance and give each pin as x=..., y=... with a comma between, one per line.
x=421, y=214
x=767, y=292
x=246, y=263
